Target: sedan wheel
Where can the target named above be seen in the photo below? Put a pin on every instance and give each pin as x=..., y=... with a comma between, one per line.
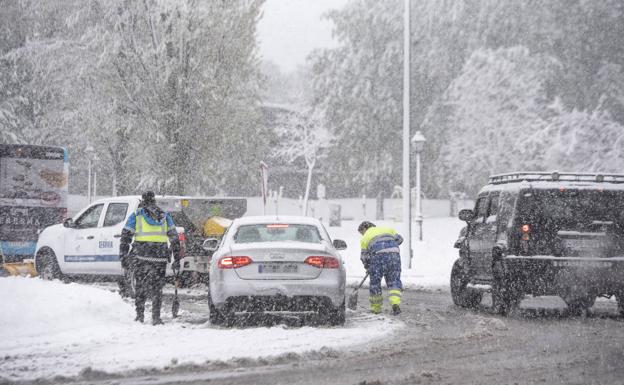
x=216, y=317
x=334, y=316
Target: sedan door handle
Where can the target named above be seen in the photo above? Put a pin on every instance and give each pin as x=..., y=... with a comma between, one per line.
x=117, y=235
x=90, y=237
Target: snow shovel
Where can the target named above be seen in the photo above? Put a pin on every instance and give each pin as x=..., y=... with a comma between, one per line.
x=353, y=298
x=176, y=301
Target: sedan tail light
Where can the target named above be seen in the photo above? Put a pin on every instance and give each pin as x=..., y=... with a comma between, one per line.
x=182, y=239
x=231, y=262
x=323, y=262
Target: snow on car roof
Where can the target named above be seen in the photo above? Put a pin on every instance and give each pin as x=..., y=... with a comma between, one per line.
x=276, y=219
x=548, y=185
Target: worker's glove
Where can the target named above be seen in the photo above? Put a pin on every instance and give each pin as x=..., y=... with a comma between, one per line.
x=175, y=265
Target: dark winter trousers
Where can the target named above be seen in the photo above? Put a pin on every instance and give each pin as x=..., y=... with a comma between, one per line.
x=387, y=266
x=150, y=280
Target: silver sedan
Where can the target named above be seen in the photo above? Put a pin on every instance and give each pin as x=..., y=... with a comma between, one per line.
x=283, y=266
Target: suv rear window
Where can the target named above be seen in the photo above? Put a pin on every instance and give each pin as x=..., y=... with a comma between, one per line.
x=570, y=209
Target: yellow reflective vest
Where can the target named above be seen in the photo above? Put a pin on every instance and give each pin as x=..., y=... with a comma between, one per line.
x=145, y=232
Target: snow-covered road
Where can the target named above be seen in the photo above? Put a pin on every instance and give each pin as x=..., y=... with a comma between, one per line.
x=52, y=329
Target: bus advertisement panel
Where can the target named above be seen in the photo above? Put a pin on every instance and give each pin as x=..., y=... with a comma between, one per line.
x=33, y=195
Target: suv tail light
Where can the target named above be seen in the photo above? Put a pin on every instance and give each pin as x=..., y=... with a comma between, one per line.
x=323, y=262
x=231, y=262
x=526, y=229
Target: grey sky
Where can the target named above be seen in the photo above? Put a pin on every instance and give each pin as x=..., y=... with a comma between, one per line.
x=291, y=29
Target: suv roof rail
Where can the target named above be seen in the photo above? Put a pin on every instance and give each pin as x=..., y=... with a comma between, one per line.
x=555, y=176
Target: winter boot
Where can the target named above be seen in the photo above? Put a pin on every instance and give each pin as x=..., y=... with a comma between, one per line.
x=396, y=310
x=139, y=318
x=157, y=321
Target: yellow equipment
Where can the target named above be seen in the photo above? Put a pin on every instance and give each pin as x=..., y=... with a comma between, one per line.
x=216, y=226
x=25, y=268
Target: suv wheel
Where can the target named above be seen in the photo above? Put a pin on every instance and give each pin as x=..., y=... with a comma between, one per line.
x=505, y=297
x=620, y=301
x=461, y=294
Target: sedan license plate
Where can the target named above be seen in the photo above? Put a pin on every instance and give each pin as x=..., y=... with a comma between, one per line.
x=277, y=268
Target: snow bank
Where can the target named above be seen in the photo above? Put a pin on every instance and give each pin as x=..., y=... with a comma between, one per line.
x=50, y=328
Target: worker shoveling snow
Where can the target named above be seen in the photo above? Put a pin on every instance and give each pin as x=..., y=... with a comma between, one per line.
x=49, y=329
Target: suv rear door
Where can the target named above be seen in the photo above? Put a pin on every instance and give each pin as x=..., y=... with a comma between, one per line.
x=483, y=234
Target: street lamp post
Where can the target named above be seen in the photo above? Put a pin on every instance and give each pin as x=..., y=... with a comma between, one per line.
x=90, y=151
x=407, y=210
x=418, y=141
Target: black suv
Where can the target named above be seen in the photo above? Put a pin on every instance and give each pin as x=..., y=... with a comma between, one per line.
x=543, y=234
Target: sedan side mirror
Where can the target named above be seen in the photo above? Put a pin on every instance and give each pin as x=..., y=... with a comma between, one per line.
x=466, y=215
x=68, y=222
x=339, y=244
x=210, y=244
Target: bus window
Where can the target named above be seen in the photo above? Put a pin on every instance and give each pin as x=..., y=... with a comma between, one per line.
x=89, y=218
x=115, y=213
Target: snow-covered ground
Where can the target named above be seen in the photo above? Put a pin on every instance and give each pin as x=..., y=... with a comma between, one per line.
x=50, y=328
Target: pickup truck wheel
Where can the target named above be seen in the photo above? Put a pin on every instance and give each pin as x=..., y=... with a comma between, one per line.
x=49, y=266
x=461, y=294
x=127, y=284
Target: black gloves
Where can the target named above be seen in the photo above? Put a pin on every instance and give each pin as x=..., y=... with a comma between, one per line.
x=175, y=265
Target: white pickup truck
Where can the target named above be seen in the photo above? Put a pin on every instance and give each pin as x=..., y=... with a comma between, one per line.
x=88, y=244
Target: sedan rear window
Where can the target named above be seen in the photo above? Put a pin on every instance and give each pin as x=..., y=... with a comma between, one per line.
x=278, y=232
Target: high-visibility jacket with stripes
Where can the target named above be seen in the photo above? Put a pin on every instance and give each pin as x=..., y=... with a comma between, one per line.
x=379, y=239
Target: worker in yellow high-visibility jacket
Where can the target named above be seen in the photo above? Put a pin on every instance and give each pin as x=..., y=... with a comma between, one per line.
x=152, y=230
x=381, y=257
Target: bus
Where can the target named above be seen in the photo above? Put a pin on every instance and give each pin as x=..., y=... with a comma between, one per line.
x=33, y=195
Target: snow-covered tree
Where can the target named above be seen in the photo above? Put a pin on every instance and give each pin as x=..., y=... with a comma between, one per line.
x=303, y=135
x=493, y=106
x=357, y=86
x=583, y=141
